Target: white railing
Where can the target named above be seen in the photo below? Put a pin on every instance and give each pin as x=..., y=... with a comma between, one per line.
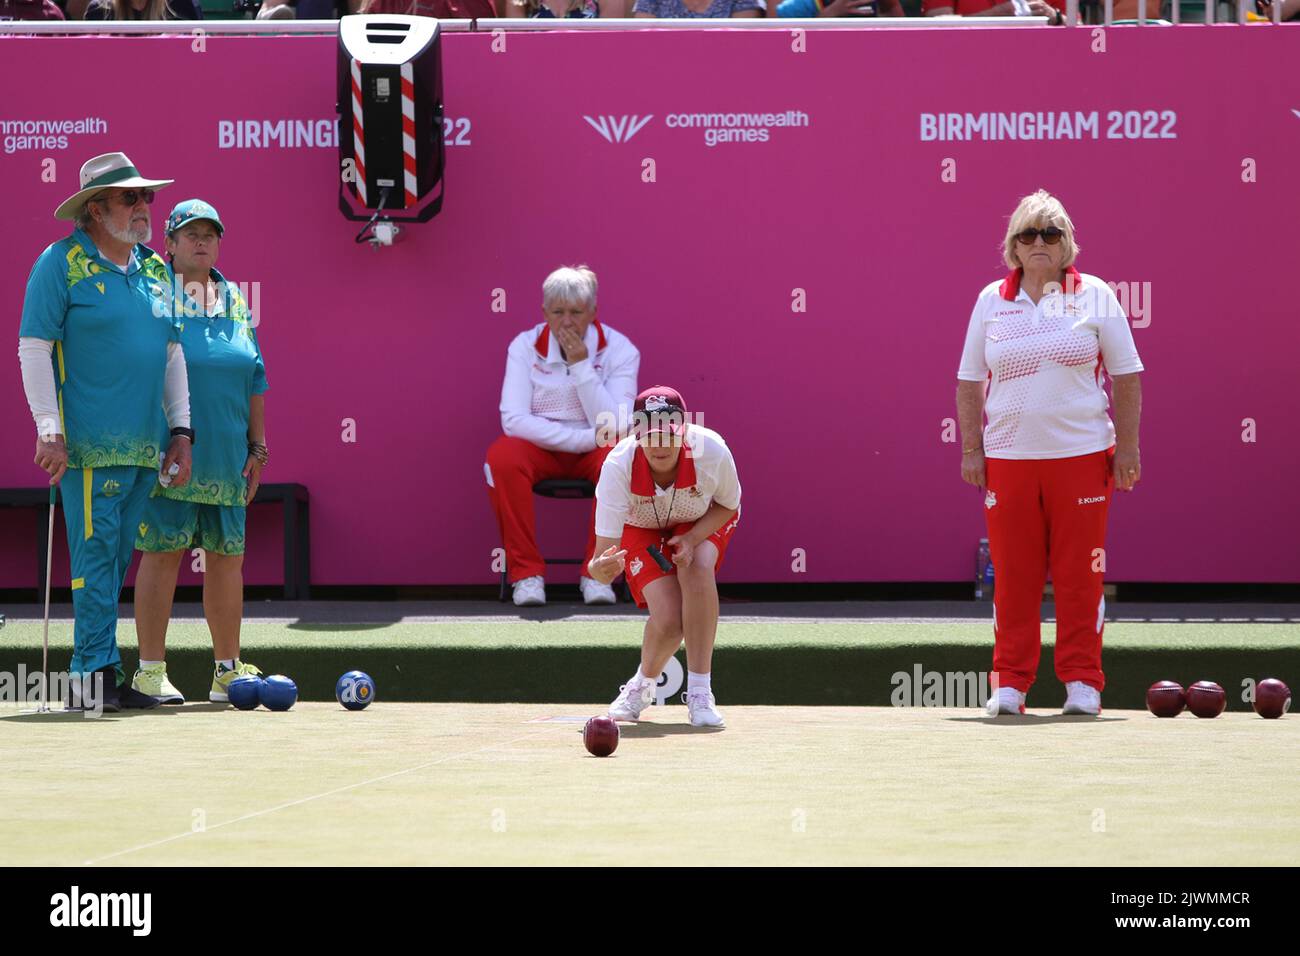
x=755, y=23
x=237, y=27
x=1108, y=12
x=316, y=27
x=209, y=27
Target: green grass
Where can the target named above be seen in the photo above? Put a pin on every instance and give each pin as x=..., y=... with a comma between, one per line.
x=495, y=634
x=793, y=662
x=476, y=783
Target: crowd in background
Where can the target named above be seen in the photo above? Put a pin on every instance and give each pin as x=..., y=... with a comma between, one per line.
x=1090, y=11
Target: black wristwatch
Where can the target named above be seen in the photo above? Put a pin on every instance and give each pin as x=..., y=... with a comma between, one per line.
x=185, y=432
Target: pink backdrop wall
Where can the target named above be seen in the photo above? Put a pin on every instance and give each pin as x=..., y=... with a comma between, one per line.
x=835, y=415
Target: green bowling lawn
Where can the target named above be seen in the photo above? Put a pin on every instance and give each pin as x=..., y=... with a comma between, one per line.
x=439, y=783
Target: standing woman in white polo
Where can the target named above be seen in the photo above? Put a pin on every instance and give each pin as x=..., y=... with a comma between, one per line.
x=667, y=504
x=1038, y=348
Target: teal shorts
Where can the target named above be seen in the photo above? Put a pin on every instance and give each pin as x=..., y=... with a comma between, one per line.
x=170, y=525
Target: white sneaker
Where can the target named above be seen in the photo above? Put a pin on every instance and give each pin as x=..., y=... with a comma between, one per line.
x=530, y=592
x=1081, y=698
x=1007, y=700
x=700, y=705
x=593, y=592
x=634, y=697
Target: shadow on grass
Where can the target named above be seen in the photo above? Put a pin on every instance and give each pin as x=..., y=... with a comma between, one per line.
x=1035, y=720
x=68, y=716
x=648, y=729
x=341, y=628
x=58, y=717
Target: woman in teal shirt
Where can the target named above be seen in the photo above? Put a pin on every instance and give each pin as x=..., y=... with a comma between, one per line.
x=227, y=379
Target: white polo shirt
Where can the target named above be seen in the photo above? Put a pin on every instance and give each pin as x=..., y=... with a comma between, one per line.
x=555, y=405
x=1043, y=364
x=627, y=493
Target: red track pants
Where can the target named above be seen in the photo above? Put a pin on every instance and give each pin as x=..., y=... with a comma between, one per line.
x=1048, y=514
x=513, y=467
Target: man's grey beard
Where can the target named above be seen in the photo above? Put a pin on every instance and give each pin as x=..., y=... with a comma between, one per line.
x=131, y=234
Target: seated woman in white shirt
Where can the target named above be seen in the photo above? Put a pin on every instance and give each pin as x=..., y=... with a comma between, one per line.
x=569, y=383
x=667, y=504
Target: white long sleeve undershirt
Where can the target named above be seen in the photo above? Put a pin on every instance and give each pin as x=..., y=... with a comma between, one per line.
x=38, y=383
x=176, y=388
x=43, y=399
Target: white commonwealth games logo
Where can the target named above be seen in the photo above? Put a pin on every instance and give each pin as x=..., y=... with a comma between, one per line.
x=715, y=128
x=618, y=129
x=46, y=134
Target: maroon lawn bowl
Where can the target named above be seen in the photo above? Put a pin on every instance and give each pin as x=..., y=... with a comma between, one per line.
x=1272, y=698
x=1166, y=698
x=1206, y=699
x=601, y=736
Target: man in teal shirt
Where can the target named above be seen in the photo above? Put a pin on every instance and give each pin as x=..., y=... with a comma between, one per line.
x=100, y=356
x=227, y=379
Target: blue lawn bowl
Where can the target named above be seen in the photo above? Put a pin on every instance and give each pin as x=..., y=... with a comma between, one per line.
x=245, y=693
x=355, y=690
x=278, y=693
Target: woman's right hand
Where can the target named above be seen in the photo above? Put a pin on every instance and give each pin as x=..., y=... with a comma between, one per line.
x=972, y=468
x=607, y=566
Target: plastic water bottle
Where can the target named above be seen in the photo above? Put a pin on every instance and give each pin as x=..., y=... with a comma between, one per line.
x=983, y=572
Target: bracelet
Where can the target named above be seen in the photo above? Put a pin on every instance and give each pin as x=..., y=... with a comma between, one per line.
x=970, y=451
x=258, y=450
x=181, y=432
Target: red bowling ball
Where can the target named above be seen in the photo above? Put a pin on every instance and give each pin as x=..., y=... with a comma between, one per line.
x=1166, y=698
x=1206, y=699
x=600, y=736
x=1272, y=698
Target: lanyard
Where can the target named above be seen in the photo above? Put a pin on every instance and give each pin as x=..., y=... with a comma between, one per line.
x=663, y=528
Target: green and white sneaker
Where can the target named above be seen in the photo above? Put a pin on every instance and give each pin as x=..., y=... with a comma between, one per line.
x=222, y=676
x=152, y=681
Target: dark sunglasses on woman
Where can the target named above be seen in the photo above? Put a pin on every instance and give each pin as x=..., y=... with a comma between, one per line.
x=1051, y=235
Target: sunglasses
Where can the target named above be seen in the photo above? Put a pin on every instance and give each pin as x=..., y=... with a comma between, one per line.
x=1051, y=235
x=131, y=196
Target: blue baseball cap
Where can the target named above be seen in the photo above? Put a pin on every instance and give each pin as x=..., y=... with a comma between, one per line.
x=190, y=210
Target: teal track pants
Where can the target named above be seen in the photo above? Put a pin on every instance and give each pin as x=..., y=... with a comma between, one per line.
x=101, y=508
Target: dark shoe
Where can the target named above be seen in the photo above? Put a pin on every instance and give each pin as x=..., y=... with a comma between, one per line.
x=91, y=695
x=128, y=698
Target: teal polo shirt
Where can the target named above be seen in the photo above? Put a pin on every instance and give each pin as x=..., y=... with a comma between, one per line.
x=110, y=331
x=225, y=369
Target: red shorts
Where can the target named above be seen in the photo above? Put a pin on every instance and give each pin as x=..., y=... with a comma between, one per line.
x=641, y=569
